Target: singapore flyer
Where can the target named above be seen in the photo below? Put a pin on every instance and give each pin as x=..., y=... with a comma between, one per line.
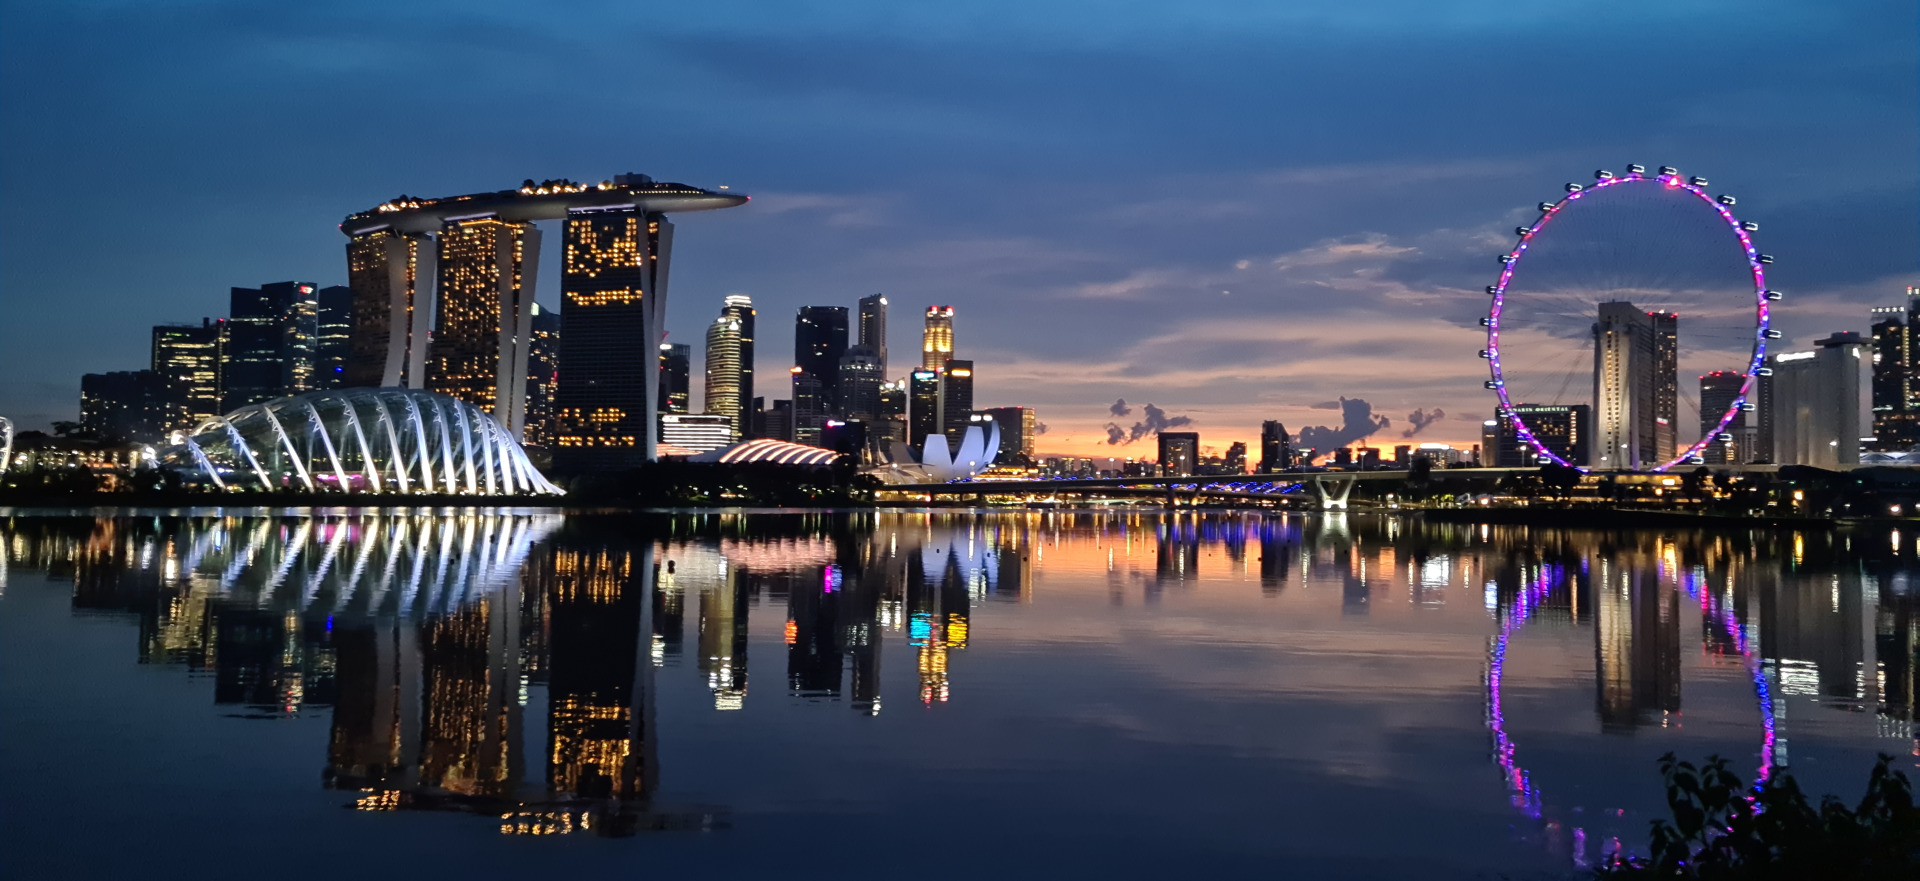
x=1615, y=298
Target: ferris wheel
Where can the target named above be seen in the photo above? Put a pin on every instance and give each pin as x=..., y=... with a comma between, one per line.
x=1622, y=244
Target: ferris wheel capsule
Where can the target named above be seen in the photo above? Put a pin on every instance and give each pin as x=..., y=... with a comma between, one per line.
x=1523, y=231
x=1636, y=169
x=1603, y=174
x=1730, y=201
x=1771, y=295
x=1765, y=258
x=1493, y=290
x=1747, y=225
x=1545, y=207
x=1669, y=170
x=1697, y=181
x=1574, y=188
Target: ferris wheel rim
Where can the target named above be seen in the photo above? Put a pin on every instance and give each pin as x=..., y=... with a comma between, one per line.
x=1756, y=264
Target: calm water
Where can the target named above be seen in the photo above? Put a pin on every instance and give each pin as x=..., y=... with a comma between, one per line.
x=465, y=694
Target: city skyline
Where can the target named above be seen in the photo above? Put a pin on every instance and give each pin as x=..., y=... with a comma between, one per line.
x=1217, y=273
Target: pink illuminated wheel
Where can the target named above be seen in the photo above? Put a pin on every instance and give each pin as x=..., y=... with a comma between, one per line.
x=1662, y=245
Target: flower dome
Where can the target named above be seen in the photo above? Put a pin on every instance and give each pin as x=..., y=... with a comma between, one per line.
x=363, y=440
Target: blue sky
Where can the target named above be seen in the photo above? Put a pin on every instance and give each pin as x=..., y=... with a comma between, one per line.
x=1232, y=211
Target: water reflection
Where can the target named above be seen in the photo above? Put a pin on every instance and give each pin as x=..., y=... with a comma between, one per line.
x=510, y=664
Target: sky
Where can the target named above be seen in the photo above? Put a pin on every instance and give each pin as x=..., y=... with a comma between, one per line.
x=1232, y=212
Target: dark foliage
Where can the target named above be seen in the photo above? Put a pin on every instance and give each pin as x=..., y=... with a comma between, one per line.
x=1722, y=830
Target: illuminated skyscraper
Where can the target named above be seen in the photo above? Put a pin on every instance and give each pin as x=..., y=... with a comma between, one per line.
x=725, y=369
x=936, y=342
x=1896, y=375
x=1623, y=388
x=873, y=328
x=189, y=358
x=543, y=376
x=483, y=316
x=1566, y=430
x=739, y=307
x=956, y=410
x=480, y=277
x=271, y=333
x=891, y=425
x=392, y=275
x=1276, y=448
x=676, y=369
x=612, y=295
x=1718, y=390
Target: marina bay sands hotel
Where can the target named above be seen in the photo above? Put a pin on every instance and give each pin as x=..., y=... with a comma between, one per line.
x=443, y=293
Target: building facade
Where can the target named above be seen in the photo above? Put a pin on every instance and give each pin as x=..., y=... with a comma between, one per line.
x=676, y=379
x=129, y=405
x=190, y=360
x=1718, y=391
x=925, y=402
x=543, y=378
x=613, y=275
x=1564, y=429
x=936, y=341
x=1623, y=389
x=1179, y=453
x=333, y=344
x=1816, y=403
x=392, y=276
x=956, y=408
x=1018, y=427
x=873, y=328
x=1276, y=447
x=483, y=315
x=819, y=342
x=271, y=334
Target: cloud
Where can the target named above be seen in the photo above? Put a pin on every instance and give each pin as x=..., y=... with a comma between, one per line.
x=1039, y=428
x=1357, y=422
x=1154, y=420
x=1120, y=408
x=1420, y=419
x=1326, y=405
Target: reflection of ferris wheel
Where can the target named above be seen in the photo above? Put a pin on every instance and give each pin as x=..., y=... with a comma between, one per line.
x=1523, y=793
x=1552, y=320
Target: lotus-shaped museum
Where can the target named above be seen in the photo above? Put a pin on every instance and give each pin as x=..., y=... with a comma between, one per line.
x=367, y=440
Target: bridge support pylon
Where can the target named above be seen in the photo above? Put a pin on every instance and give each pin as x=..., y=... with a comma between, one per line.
x=1336, y=500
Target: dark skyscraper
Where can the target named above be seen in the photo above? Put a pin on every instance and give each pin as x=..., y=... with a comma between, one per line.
x=333, y=345
x=1566, y=430
x=1718, y=390
x=956, y=410
x=1017, y=430
x=612, y=288
x=891, y=425
x=676, y=377
x=483, y=313
x=1179, y=452
x=270, y=343
x=819, y=342
x=925, y=399
x=125, y=405
x=1666, y=383
x=861, y=375
x=809, y=408
x=543, y=375
x=1276, y=448
x=190, y=360
x=873, y=327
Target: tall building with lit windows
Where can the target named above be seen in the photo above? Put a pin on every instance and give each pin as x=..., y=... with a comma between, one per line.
x=612, y=284
x=926, y=400
x=726, y=370
x=1276, y=447
x=1895, y=353
x=483, y=316
x=819, y=342
x=739, y=307
x=543, y=376
x=391, y=274
x=189, y=359
x=1718, y=390
x=936, y=342
x=479, y=276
